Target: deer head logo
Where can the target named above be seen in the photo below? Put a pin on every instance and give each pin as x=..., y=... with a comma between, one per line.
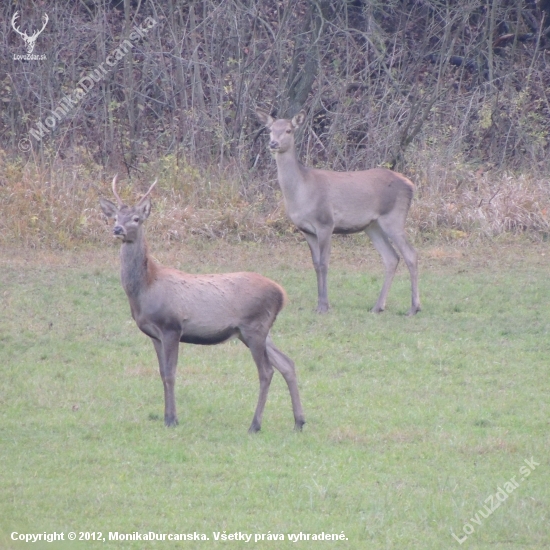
x=30, y=41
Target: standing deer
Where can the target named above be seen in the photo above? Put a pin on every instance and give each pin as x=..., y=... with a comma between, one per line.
x=322, y=202
x=172, y=307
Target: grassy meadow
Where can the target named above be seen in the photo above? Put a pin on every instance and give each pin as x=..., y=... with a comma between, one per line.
x=413, y=424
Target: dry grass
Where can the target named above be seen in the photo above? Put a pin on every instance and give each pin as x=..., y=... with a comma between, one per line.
x=58, y=207
x=456, y=202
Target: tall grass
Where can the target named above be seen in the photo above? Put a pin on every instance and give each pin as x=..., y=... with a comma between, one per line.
x=56, y=206
x=452, y=196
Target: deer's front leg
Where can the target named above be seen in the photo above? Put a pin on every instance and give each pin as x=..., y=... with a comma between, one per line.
x=167, y=353
x=319, y=244
x=257, y=344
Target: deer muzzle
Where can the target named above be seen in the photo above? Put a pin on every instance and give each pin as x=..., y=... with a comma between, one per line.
x=118, y=231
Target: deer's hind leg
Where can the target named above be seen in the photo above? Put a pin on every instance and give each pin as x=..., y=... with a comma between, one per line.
x=396, y=233
x=285, y=365
x=390, y=258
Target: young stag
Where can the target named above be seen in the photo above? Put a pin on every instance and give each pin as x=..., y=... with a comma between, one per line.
x=172, y=307
x=322, y=202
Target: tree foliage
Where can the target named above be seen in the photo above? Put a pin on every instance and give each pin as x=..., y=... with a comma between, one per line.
x=380, y=81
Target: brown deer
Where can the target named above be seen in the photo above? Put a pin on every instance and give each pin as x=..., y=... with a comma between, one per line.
x=171, y=307
x=323, y=202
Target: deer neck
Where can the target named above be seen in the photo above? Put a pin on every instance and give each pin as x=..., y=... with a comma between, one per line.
x=290, y=173
x=135, y=266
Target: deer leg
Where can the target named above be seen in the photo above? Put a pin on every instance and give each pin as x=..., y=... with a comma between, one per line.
x=285, y=366
x=257, y=346
x=411, y=259
x=389, y=257
x=167, y=353
x=319, y=245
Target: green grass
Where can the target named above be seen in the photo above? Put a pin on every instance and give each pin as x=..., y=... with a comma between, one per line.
x=412, y=423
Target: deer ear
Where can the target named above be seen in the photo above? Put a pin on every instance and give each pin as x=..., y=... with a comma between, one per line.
x=109, y=208
x=298, y=120
x=265, y=118
x=144, y=208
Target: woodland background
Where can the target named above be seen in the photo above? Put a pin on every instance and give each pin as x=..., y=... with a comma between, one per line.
x=455, y=94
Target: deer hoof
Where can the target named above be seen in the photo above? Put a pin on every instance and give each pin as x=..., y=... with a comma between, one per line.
x=299, y=425
x=377, y=309
x=254, y=429
x=413, y=311
x=171, y=422
x=322, y=309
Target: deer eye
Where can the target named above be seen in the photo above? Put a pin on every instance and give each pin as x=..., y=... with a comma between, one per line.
x=289, y=131
x=136, y=219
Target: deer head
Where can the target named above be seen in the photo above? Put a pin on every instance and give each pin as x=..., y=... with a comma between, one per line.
x=128, y=221
x=30, y=41
x=282, y=130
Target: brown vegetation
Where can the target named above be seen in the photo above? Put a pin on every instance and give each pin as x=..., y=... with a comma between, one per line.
x=453, y=95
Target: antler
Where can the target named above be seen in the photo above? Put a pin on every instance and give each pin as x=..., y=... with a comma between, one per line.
x=15, y=16
x=147, y=194
x=35, y=34
x=45, y=20
x=119, y=200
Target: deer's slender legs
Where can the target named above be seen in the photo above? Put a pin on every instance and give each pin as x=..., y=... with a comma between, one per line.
x=257, y=344
x=409, y=255
x=389, y=257
x=167, y=353
x=319, y=246
x=285, y=366
x=313, y=243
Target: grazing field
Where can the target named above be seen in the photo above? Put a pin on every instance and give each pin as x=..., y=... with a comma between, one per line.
x=414, y=425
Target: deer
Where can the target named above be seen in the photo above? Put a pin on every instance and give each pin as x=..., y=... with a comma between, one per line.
x=322, y=202
x=171, y=306
x=30, y=41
